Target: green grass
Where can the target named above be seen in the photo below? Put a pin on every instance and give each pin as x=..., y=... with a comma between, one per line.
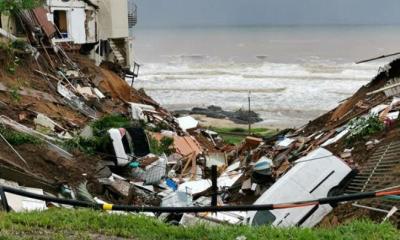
x=18, y=138
x=236, y=135
x=86, y=224
x=230, y=139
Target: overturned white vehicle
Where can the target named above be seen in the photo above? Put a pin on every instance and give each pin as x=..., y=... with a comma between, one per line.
x=317, y=175
x=126, y=144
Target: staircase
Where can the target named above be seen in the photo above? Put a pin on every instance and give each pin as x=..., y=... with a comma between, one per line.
x=381, y=171
x=132, y=14
x=119, y=57
x=378, y=170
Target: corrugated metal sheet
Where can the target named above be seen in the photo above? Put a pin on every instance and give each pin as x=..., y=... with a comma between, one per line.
x=41, y=17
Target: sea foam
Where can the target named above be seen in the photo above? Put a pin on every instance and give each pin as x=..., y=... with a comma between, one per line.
x=280, y=92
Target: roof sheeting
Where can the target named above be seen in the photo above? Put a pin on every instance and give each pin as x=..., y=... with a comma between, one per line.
x=41, y=17
x=187, y=145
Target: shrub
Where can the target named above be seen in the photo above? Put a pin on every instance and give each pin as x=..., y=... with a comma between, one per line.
x=110, y=121
x=9, y=6
x=14, y=94
x=90, y=146
x=364, y=126
x=11, y=60
x=162, y=146
x=100, y=137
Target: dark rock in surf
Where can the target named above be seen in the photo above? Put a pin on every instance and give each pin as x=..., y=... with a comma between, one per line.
x=240, y=116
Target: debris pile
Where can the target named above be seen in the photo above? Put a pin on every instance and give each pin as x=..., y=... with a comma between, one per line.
x=76, y=130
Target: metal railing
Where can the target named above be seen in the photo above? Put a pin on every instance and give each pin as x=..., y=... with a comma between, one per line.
x=194, y=209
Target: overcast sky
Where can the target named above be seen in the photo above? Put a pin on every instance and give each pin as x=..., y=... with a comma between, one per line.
x=266, y=12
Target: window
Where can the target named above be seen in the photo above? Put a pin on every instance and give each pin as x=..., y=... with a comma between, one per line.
x=263, y=217
x=127, y=142
x=60, y=20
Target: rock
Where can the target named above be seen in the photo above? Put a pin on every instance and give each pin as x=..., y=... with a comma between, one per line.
x=214, y=108
x=121, y=187
x=240, y=116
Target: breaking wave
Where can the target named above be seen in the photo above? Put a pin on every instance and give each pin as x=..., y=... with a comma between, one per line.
x=238, y=90
x=263, y=70
x=280, y=92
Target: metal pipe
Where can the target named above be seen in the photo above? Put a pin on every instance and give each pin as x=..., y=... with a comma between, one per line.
x=129, y=208
x=369, y=208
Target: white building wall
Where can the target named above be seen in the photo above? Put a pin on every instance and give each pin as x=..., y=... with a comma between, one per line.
x=68, y=4
x=76, y=17
x=76, y=25
x=113, y=19
x=130, y=52
x=91, y=31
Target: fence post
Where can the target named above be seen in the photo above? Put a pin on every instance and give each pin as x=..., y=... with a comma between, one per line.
x=214, y=187
x=4, y=202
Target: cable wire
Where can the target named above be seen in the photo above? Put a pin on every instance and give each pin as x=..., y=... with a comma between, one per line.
x=195, y=209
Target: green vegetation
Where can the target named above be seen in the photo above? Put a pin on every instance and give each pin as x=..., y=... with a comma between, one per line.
x=86, y=145
x=18, y=138
x=110, y=121
x=162, y=146
x=157, y=127
x=236, y=135
x=86, y=224
x=362, y=127
x=15, y=95
x=13, y=65
x=12, y=61
x=9, y=6
x=100, y=137
x=11, y=48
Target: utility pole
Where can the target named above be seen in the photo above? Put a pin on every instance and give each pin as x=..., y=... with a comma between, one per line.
x=249, y=112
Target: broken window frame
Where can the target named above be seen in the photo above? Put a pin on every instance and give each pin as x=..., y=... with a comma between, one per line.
x=60, y=36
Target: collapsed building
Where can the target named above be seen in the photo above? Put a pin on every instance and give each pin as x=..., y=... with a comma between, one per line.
x=101, y=29
x=72, y=127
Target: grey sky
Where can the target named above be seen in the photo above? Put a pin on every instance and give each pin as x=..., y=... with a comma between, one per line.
x=264, y=12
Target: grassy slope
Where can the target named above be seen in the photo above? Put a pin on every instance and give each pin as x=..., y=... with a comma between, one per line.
x=232, y=135
x=84, y=224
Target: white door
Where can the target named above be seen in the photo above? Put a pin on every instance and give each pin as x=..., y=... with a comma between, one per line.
x=77, y=25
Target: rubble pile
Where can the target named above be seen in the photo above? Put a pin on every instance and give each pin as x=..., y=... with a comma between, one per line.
x=72, y=129
x=75, y=130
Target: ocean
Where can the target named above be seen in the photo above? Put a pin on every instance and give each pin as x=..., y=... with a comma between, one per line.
x=292, y=73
